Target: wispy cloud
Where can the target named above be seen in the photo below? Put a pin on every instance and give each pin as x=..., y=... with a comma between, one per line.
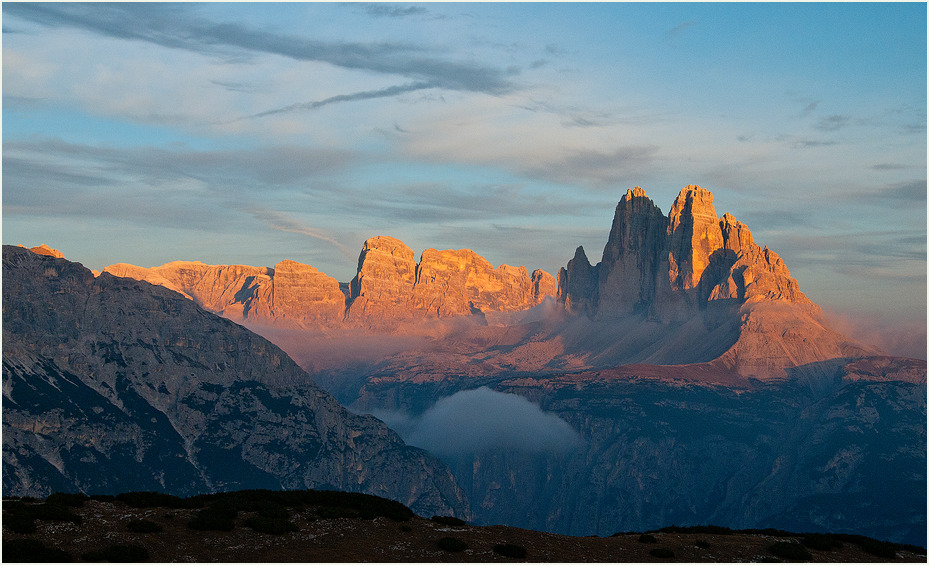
x=905, y=194
x=353, y=97
x=889, y=167
x=806, y=143
x=604, y=168
x=178, y=26
x=833, y=122
x=283, y=222
x=392, y=10
x=679, y=29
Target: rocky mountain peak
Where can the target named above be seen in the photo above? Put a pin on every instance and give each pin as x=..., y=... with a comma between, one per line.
x=112, y=385
x=453, y=282
x=389, y=288
x=386, y=275
x=577, y=284
x=46, y=250
x=637, y=192
x=628, y=270
x=694, y=234
x=671, y=267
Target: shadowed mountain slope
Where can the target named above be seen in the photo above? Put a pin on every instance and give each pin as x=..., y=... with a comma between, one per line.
x=111, y=384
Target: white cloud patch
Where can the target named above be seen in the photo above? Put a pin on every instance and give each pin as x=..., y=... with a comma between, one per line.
x=482, y=420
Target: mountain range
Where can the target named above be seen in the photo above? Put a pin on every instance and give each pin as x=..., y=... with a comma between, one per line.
x=682, y=379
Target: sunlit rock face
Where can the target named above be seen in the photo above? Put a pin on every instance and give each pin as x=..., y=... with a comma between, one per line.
x=390, y=288
x=695, y=270
x=112, y=384
x=291, y=294
x=384, y=283
x=671, y=267
x=628, y=273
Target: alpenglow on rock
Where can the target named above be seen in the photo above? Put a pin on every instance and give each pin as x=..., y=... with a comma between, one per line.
x=112, y=385
x=671, y=267
x=390, y=287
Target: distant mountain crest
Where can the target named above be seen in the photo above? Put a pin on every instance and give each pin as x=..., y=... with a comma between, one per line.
x=390, y=287
x=671, y=267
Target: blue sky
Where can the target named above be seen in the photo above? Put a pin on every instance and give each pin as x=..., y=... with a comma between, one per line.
x=251, y=133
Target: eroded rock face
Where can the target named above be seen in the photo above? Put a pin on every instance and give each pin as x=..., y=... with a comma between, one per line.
x=46, y=250
x=577, y=284
x=304, y=297
x=628, y=275
x=385, y=279
x=671, y=268
x=843, y=452
x=389, y=288
x=694, y=235
x=112, y=384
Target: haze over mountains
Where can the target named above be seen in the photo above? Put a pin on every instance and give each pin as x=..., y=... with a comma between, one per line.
x=682, y=379
x=686, y=288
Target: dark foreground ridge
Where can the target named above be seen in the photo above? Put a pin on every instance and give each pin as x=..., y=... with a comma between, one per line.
x=333, y=526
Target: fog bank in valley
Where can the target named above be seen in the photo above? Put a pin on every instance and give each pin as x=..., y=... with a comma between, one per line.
x=481, y=420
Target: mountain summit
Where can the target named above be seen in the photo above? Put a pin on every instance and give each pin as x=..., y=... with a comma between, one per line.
x=717, y=294
x=686, y=288
x=671, y=267
x=696, y=382
x=389, y=288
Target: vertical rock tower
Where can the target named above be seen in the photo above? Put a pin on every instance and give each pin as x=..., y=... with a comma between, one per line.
x=669, y=268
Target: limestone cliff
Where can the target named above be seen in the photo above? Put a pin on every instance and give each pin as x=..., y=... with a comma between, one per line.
x=385, y=280
x=112, y=384
x=390, y=287
x=844, y=452
x=628, y=276
x=705, y=288
x=673, y=267
x=291, y=294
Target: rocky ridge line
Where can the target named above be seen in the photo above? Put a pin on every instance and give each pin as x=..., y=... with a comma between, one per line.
x=111, y=384
x=669, y=267
x=390, y=287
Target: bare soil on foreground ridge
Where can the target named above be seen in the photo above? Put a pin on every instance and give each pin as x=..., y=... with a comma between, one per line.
x=339, y=534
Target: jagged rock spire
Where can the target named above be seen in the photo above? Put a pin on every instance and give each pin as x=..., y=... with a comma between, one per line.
x=670, y=267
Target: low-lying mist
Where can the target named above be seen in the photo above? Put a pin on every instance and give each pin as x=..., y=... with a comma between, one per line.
x=482, y=420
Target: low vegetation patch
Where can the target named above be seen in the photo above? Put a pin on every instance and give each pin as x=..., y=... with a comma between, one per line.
x=32, y=551
x=702, y=543
x=273, y=526
x=510, y=550
x=877, y=548
x=150, y=499
x=20, y=516
x=452, y=545
x=821, y=542
x=214, y=518
x=662, y=553
x=647, y=538
x=143, y=527
x=333, y=512
x=449, y=521
x=118, y=553
x=73, y=499
x=790, y=551
x=351, y=504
